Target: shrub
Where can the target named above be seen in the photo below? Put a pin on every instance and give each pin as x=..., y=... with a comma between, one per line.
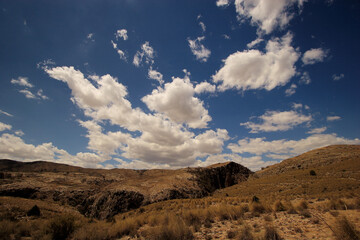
x=245, y=234
x=6, y=229
x=257, y=208
x=231, y=234
x=279, y=206
x=271, y=233
x=175, y=228
x=346, y=230
x=61, y=227
x=312, y=173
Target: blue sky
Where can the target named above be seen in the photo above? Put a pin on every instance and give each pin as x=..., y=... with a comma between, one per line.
x=168, y=84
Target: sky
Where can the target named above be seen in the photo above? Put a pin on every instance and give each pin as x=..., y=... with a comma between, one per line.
x=171, y=84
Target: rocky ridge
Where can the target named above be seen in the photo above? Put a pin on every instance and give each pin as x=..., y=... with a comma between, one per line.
x=101, y=194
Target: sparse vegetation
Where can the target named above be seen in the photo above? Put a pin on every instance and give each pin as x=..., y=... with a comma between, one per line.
x=346, y=230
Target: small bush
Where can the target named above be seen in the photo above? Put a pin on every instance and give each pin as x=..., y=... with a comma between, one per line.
x=61, y=227
x=175, y=228
x=231, y=234
x=279, y=206
x=245, y=234
x=312, y=173
x=257, y=208
x=271, y=233
x=6, y=229
x=346, y=230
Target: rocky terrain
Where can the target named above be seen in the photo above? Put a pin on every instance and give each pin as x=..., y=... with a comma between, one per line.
x=101, y=194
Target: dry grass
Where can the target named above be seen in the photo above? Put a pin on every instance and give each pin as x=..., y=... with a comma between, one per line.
x=271, y=233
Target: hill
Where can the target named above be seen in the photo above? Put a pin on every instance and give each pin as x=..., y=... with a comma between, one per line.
x=104, y=193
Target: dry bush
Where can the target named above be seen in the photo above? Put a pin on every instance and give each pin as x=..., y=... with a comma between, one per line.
x=345, y=230
x=271, y=233
x=126, y=227
x=6, y=229
x=175, y=228
x=93, y=231
x=61, y=227
x=305, y=213
x=257, y=208
x=291, y=209
x=231, y=234
x=245, y=234
x=268, y=218
x=336, y=204
x=279, y=206
x=302, y=205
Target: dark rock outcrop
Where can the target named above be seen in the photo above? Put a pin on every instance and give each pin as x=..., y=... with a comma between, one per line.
x=107, y=204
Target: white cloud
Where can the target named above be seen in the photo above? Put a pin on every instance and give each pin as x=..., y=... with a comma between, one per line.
x=222, y=3
x=291, y=90
x=41, y=95
x=28, y=94
x=305, y=78
x=45, y=64
x=259, y=146
x=204, y=87
x=313, y=56
x=338, y=77
x=333, y=118
x=22, y=81
x=267, y=15
x=252, y=69
x=121, y=33
x=13, y=147
x=153, y=74
x=199, y=50
x=148, y=138
x=6, y=113
x=19, y=133
x=255, y=42
x=253, y=163
x=278, y=121
x=90, y=36
x=146, y=54
x=227, y=37
x=176, y=100
x=120, y=52
x=317, y=130
x=4, y=127
x=203, y=27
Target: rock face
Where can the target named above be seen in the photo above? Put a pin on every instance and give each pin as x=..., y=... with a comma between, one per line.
x=101, y=194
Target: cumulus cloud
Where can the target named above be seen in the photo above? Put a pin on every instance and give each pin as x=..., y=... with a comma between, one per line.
x=277, y=121
x=22, y=81
x=157, y=138
x=252, y=69
x=146, y=54
x=120, y=52
x=291, y=90
x=13, y=147
x=317, y=130
x=313, y=56
x=121, y=33
x=153, y=74
x=6, y=113
x=222, y=3
x=4, y=127
x=198, y=49
x=267, y=15
x=259, y=146
x=204, y=87
x=332, y=118
x=176, y=100
x=338, y=77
